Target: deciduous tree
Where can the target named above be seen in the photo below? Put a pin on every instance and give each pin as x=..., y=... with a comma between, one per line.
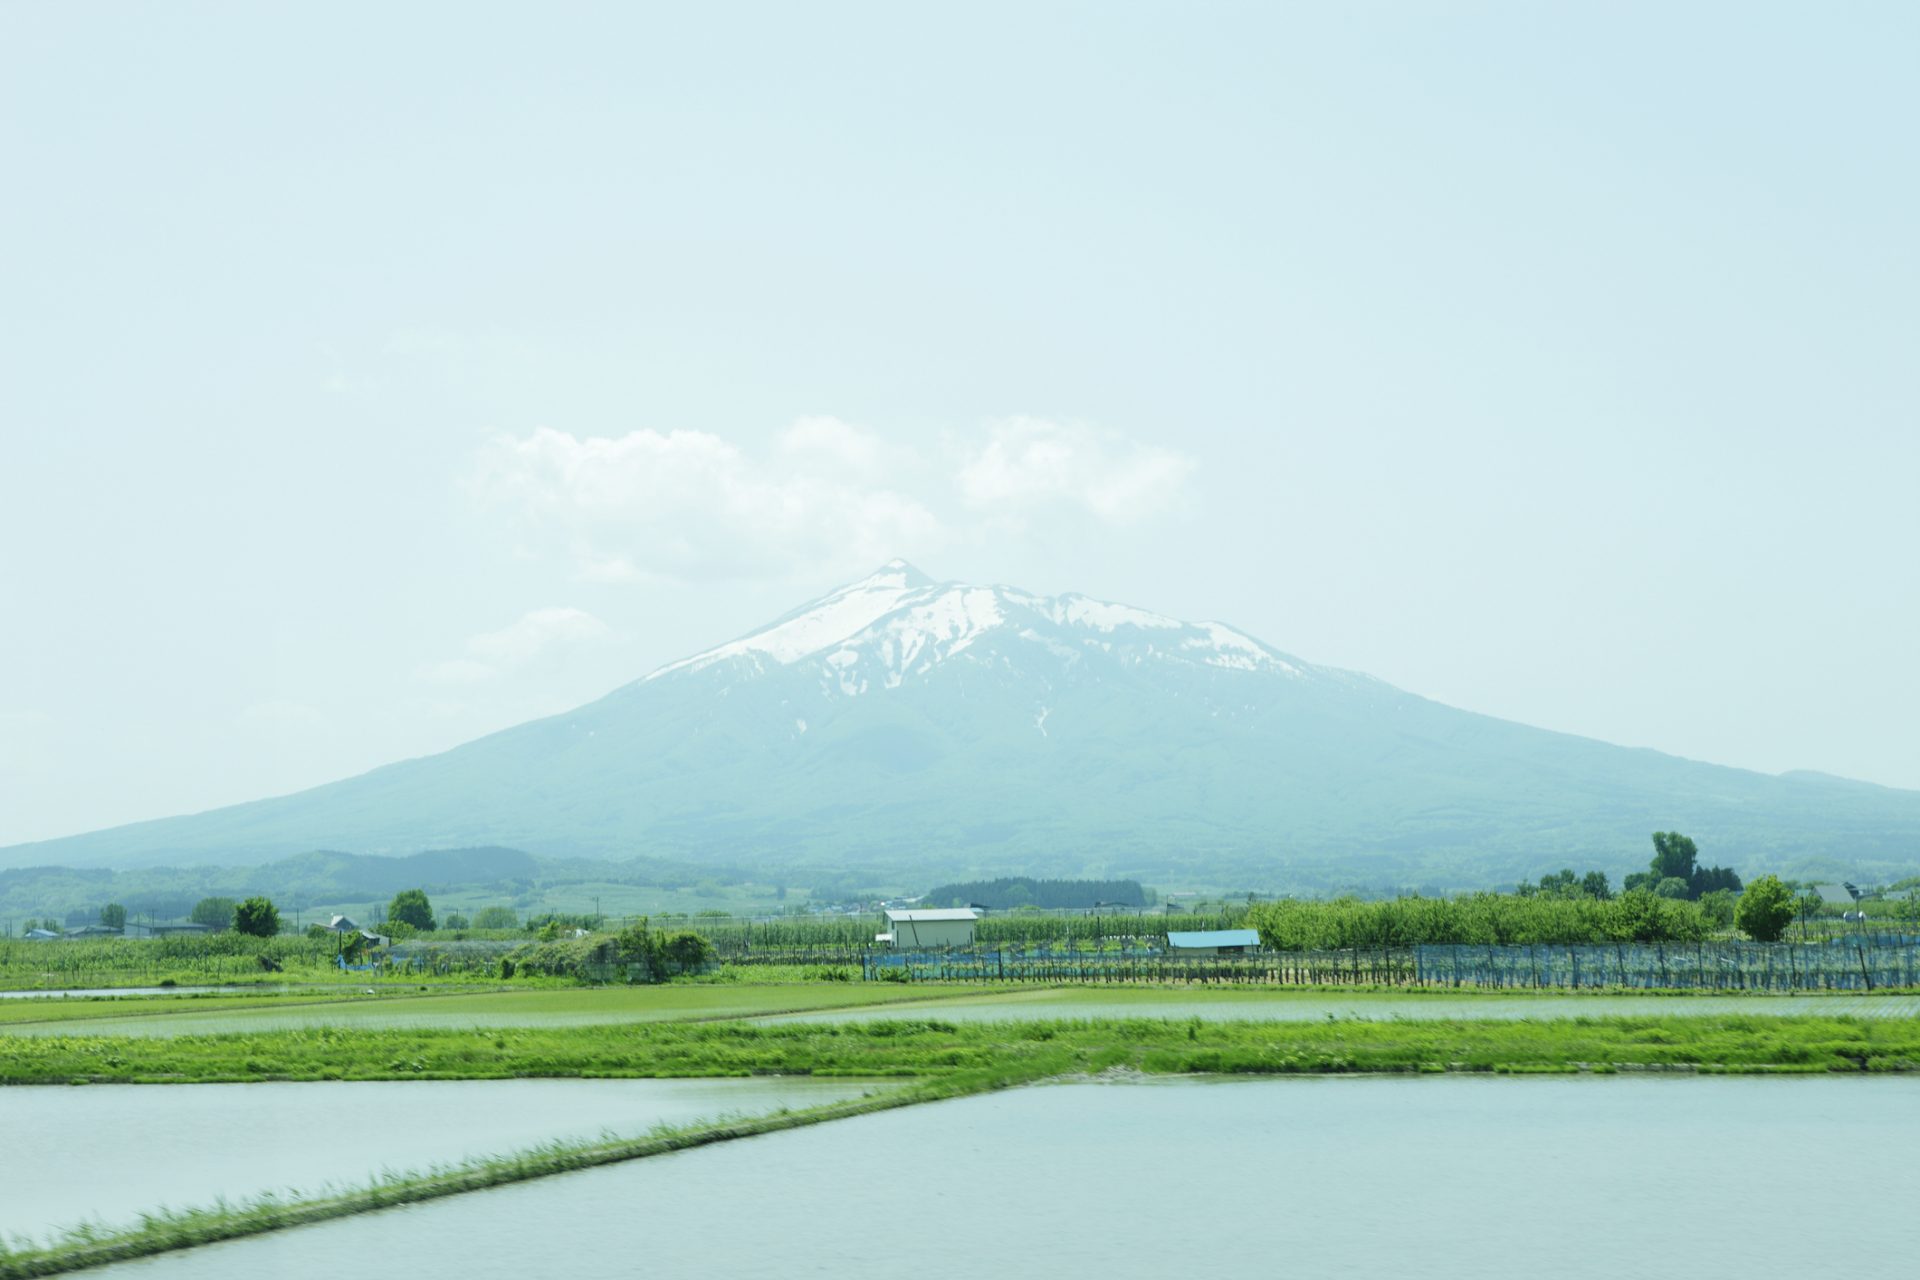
x=410, y=907
x=1765, y=909
x=258, y=917
x=1673, y=856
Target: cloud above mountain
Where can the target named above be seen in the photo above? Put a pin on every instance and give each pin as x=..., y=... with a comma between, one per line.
x=1024, y=464
x=683, y=505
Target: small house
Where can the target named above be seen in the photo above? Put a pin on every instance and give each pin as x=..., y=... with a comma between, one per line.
x=929, y=929
x=1837, y=895
x=1213, y=942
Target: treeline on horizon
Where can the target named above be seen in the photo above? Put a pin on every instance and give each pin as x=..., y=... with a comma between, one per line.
x=1009, y=893
x=74, y=895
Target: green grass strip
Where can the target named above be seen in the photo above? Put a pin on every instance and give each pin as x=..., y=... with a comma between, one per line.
x=929, y=1047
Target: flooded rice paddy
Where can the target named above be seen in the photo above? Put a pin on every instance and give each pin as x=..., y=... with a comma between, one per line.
x=1445, y=1177
x=94, y=993
x=108, y=1152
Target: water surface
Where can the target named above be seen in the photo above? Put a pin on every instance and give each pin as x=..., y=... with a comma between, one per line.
x=107, y=1152
x=1717, y=1178
x=82, y=993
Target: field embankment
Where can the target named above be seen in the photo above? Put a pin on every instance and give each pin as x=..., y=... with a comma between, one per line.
x=934, y=1048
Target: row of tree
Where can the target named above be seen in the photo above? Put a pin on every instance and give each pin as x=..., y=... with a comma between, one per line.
x=1674, y=900
x=1675, y=871
x=1481, y=919
x=639, y=953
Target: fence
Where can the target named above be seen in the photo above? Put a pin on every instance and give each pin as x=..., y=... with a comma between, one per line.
x=1139, y=964
x=1855, y=964
x=1851, y=964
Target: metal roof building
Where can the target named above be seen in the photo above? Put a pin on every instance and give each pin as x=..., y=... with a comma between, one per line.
x=933, y=927
x=1212, y=942
x=1837, y=895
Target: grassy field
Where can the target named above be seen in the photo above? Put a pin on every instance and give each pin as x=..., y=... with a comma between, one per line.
x=928, y=1048
x=1029, y=1003
x=388, y=1007
x=394, y=1007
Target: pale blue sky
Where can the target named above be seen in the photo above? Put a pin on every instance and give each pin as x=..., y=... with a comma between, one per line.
x=1553, y=362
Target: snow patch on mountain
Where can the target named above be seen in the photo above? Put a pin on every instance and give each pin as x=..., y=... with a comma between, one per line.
x=1222, y=646
x=926, y=630
x=897, y=624
x=1079, y=611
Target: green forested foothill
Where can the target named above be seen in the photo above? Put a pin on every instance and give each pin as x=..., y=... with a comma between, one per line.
x=932, y=1047
x=1011, y=892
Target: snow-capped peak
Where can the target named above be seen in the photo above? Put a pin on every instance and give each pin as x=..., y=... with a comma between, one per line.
x=897, y=622
x=894, y=573
x=820, y=625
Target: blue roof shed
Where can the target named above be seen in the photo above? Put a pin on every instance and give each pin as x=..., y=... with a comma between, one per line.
x=1213, y=940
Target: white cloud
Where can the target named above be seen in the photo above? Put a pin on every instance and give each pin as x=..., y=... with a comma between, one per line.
x=687, y=504
x=1027, y=464
x=824, y=495
x=494, y=653
x=831, y=444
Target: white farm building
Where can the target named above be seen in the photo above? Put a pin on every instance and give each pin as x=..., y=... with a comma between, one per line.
x=929, y=929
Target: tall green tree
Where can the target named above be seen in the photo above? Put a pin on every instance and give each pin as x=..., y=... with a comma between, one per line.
x=1765, y=909
x=114, y=916
x=257, y=917
x=687, y=952
x=1674, y=856
x=410, y=907
x=215, y=913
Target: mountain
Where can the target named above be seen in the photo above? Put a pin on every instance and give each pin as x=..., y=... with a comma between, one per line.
x=908, y=728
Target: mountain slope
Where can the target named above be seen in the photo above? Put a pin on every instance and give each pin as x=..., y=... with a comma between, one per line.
x=900, y=724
